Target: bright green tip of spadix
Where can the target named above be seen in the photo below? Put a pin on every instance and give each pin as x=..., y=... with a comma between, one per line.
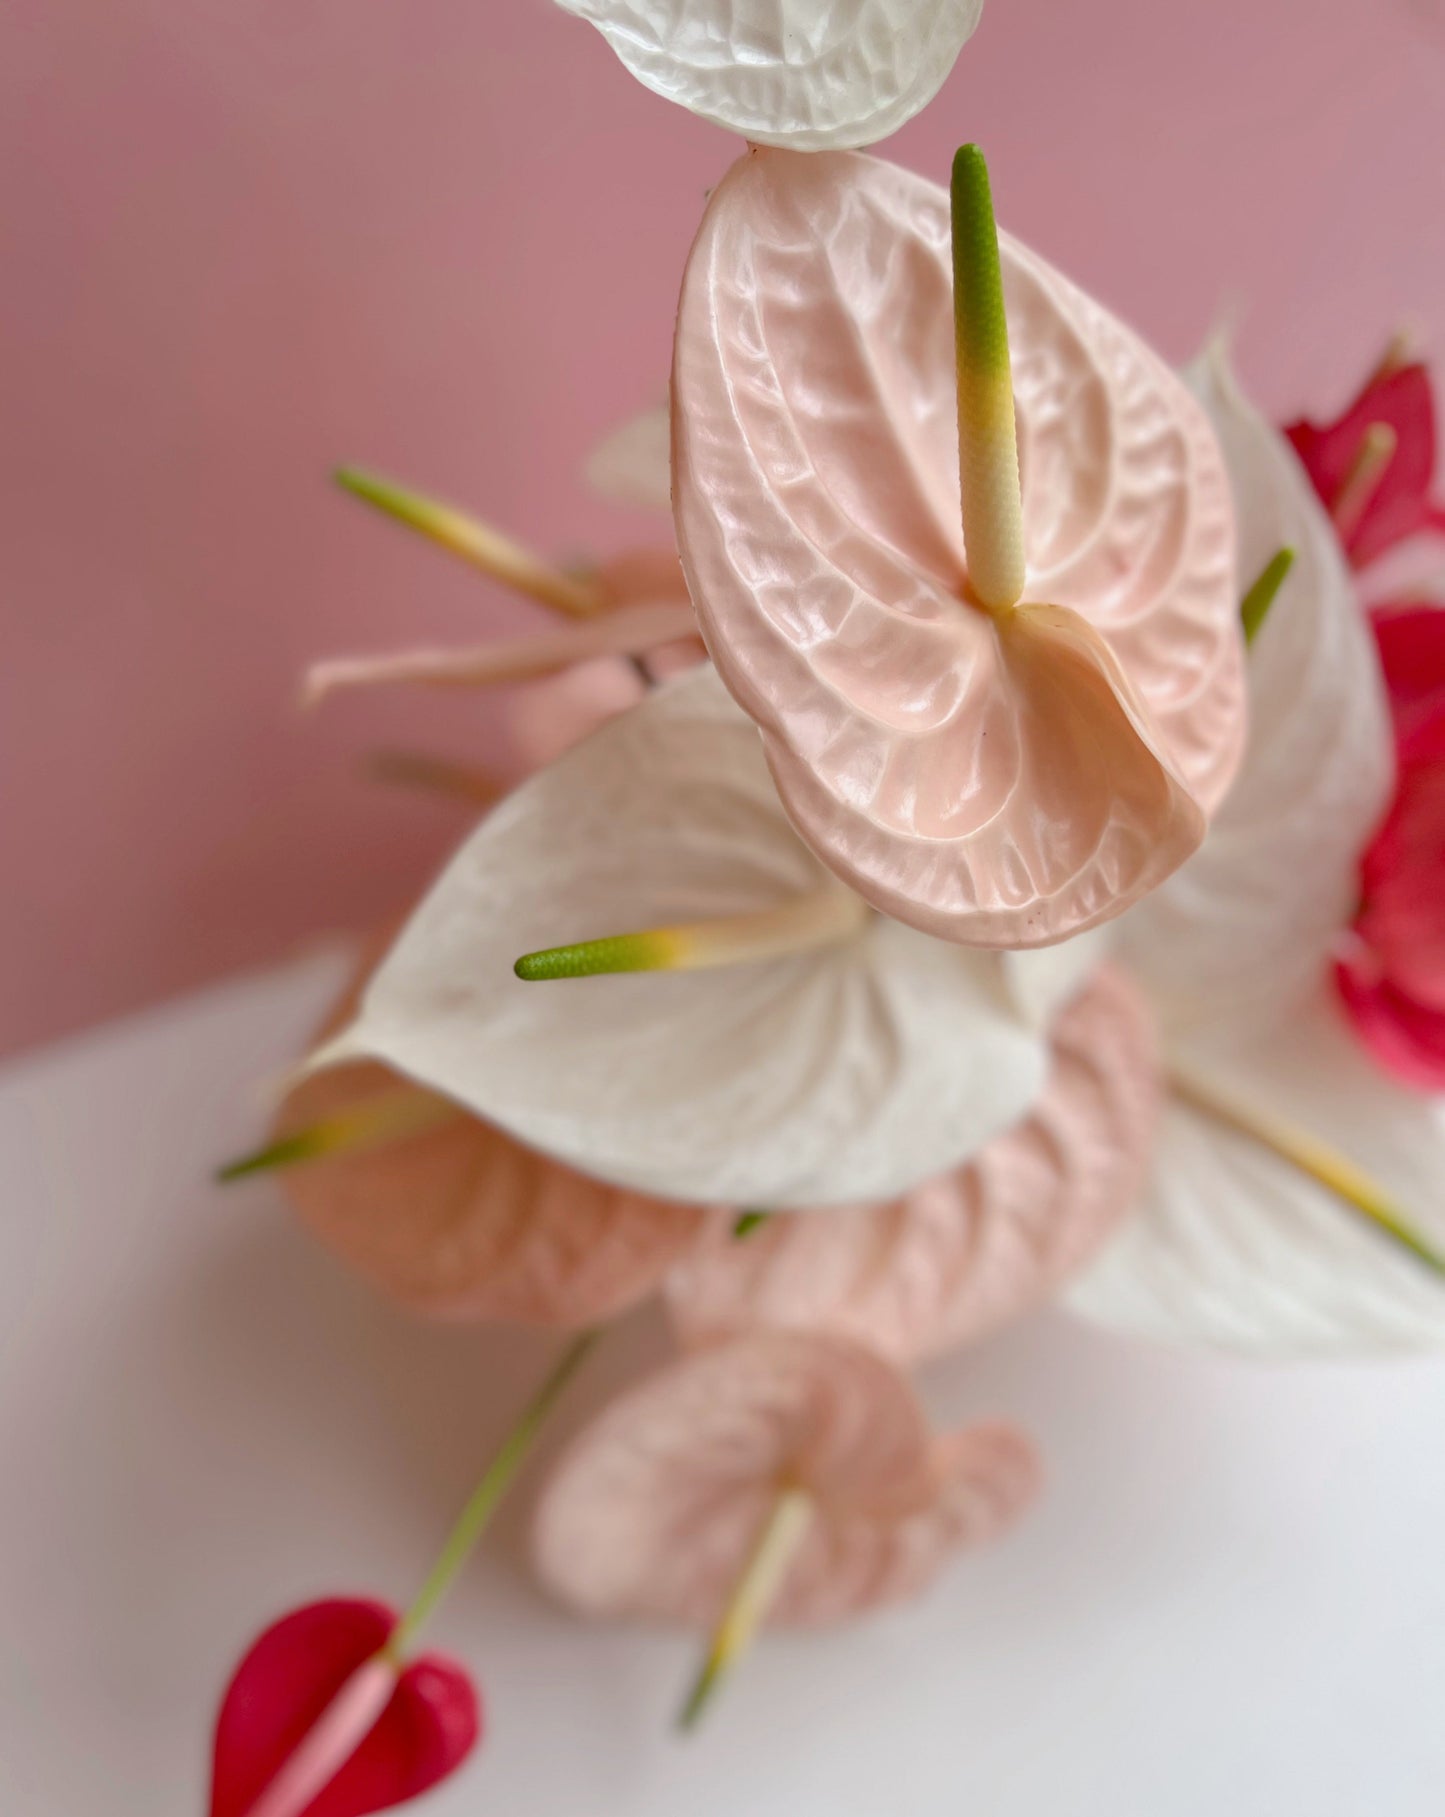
x=988, y=461
x=289, y=1151
x=653, y=951
x=1255, y=605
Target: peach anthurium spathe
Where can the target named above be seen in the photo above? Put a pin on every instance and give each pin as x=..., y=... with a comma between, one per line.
x=805, y=73
x=455, y=1219
x=1244, y=1238
x=850, y=1062
x=653, y=1509
x=996, y=777
x=968, y=1251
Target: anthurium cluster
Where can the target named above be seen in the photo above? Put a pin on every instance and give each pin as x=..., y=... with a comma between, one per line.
x=981, y=851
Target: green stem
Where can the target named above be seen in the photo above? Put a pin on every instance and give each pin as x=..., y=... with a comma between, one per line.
x=487, y=1496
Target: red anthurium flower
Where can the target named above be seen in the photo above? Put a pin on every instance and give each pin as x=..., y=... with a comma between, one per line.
x=1374, y=466
x=317, y=1722
x=1393, y=980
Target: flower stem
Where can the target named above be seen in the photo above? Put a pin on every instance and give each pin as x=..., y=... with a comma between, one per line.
x=1316, y=1159
x=773, y=1551
x=988, y=456
x=486, y=1497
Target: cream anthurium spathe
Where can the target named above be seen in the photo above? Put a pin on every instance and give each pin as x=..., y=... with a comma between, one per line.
x=1247, y=927
x=1243, y=1238
x=998, y=764
x=815, y=75
x=857, y=1060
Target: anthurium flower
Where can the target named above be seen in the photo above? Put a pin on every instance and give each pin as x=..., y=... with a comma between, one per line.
x=999, y=751
x=804, y=73
x=452, y=1217
x=781, y=1045
x=656, y=1506
x=1374, y=466
x=965, y=1252
x=1249, y=926
x=1392, y=976
x=1292, y=1180
x=319, y=1720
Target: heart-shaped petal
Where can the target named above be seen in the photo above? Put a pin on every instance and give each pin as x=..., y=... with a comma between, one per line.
x=819, y=1077
x=790, y=72
x=289, y=1680
x=970, y=1250
x=1237, y=1247
x=459, y=1221
x=652, y=1510
x=1395, y=502
x=1002, y=780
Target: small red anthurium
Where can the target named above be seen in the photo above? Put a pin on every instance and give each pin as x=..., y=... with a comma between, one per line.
x=1374, y=466
x=320, y=1721
x=1393, y=977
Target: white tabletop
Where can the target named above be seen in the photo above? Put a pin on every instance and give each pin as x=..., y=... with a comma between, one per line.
x=1231, y=1601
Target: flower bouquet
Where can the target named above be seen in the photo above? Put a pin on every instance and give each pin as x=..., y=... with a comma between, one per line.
x=982, y=852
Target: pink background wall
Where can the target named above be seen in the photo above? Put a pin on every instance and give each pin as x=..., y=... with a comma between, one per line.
x=443, y=237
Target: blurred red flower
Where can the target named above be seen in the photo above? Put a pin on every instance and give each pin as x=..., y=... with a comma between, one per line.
x=1375, y=465
x=1393, y=978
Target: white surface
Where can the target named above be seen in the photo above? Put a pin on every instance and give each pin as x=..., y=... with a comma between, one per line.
x=1232, y=1601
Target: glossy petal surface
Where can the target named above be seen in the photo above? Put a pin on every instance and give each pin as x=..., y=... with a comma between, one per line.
x=1235, y=1247
x=1248, y=926
x=999, y=782
x=287, y=1679
x=651, y=1511
x=851, y=1071
x=806, y=73
x=968, y=1251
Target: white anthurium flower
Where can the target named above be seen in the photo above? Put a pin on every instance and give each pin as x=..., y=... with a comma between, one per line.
x=848, y=1059
x=1243, y=929
x=813, y=75
x=1237, y=1245
x=1292, y=1178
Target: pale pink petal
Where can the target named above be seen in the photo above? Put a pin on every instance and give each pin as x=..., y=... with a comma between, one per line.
x=652, y=1510
x=462, y=1222
x=968, y=1251
x=1000, y=786
x=549, y=717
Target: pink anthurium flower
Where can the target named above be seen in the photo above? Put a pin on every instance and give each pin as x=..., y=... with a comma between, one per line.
x=449, y=1215
x=1374, y=466
x=1000, y=718
x=1392, y=977
x=969, y=1250
x=319, y=1721
x=783, y=1476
